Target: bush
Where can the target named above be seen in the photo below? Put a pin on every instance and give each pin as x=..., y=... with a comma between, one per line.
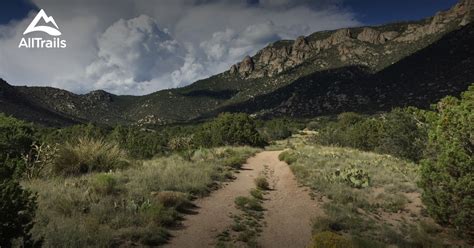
x=257, y=194
x=288, y=157
x=235, y=162
x=330, y=240
x=400, y=133
x=16, y=138
x=354, y=177
x=160, y=215
x=229, y=129
x=139, y=143
x=88, y=155
x=105, y=184
x=278, y=129
x=39, y=157
x=447, y=173
x=262, y=183
x=248, y=203
x=173, y=199
x=17, y=208
x=180, y=143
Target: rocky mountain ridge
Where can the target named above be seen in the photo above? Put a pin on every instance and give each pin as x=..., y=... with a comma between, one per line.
x=275, y=59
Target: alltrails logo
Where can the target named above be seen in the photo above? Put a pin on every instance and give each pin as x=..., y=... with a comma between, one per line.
x=38, y=42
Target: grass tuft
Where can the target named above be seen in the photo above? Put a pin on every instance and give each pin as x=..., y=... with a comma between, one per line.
x=89, y=155
x=133, y=206
x=262, y=183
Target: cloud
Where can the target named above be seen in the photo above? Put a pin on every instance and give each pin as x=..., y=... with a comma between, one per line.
x=137, y=47
x=133, y=52
x=229, y=46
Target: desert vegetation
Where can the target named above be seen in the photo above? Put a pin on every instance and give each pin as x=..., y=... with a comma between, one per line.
x=127, y=205
x=368, y=196
x=374, y=199
x=397, y=178
x=89, y=185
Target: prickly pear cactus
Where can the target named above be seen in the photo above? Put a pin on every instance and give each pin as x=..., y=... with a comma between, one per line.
x=356, y=178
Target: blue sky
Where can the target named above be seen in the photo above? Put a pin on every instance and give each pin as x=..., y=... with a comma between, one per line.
x=369, y=12
x=383, y=11
x=14, y=9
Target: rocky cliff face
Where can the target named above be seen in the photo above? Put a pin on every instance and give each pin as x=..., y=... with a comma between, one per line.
x=357, y=46
x=431, y=73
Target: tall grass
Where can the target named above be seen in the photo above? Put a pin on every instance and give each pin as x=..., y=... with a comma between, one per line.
x=89, y=155
x=129, y=207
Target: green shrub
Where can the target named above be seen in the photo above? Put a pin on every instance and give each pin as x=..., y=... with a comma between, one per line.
x=278, y=129
x=16, y=138
x=17, y=208
x=262, y=183
x=257, y=194
x=447, y=173
x=401, y=133
x=140, y=143
x=248, y=203
x=288, y=157
x=229, y=129
x=319, y=123
x=88, y=155
x=329, y=240
x=150, y=236
x=153, y=236
x=160, y=215
x=235, y=162
x=354, y=177
x=105, y=184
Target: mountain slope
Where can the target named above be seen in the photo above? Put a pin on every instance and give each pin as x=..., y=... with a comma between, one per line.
x=443, y=68
x=14, y=103
x=351, y=69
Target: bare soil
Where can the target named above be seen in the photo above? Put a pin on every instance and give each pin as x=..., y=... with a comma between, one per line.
x=289, y=208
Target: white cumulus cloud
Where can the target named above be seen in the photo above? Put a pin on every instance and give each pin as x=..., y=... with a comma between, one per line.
x=132, y=53
x=137, y=47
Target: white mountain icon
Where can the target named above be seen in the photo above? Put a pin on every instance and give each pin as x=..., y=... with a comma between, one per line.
x=47, y=29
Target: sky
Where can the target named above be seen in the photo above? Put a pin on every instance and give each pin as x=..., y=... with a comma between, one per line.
x=137, y=47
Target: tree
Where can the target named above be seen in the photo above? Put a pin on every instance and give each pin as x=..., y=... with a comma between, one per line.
x=229, y=129
x=17, y=206
x=16, y=137
x=447, y=173
x=402, y=135
x=17, y=210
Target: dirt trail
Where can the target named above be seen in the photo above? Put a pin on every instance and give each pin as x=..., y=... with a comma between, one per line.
x=213, y=215
x=288, y=216
x=290, y=210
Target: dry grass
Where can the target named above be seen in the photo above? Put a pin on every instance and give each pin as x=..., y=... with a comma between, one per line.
x=89, y=155
x=129, y=207
x=386, y=212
